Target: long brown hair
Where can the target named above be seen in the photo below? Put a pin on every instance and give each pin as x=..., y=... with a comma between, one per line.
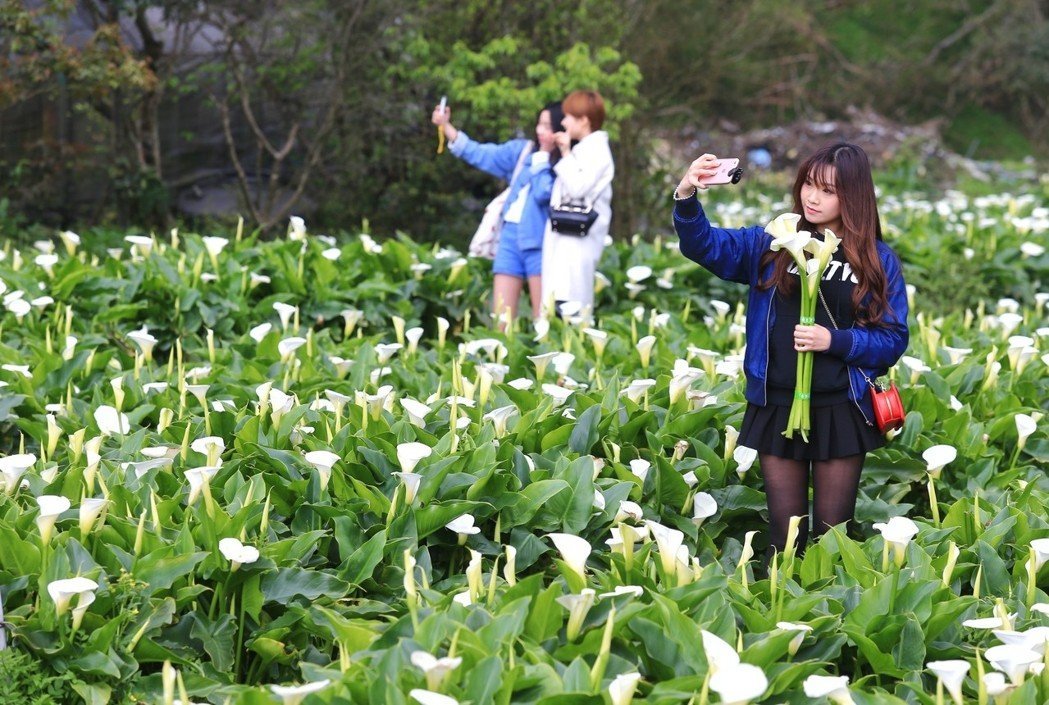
x=846, y=168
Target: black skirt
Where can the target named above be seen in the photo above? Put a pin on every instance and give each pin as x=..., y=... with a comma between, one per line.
x=837, y=431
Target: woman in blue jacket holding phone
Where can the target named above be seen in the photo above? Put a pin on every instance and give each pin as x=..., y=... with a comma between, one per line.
x=527, y=167
x=860, y=331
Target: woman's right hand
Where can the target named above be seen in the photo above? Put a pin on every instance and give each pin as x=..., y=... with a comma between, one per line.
x=441, y=117
x=707, y=165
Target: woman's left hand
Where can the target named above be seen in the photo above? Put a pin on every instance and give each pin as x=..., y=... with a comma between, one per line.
x=811, y=338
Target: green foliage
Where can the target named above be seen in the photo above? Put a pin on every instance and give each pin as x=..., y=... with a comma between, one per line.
x=25, y=679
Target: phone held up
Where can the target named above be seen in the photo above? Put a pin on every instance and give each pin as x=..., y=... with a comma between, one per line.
x=729, y=172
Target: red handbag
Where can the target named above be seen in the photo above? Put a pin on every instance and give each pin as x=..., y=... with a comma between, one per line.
x=888, y=407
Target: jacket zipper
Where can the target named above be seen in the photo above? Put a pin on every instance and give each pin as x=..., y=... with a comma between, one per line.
x=768, y=336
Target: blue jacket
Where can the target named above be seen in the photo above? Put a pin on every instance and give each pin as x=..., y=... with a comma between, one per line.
x=500, y=160
x=735, y=255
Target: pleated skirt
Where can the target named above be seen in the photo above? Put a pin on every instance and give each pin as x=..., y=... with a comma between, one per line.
x=837, y=431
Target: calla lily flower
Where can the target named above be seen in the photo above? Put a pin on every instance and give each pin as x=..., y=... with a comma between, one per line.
x=142, y=467
x=287, y=346
x=1025, y=426
x=322, y=461
x=744, y=458
x=783, y=226
x=409, y=455
x=435, y=669
x=144, y=341
x=835, y=688
x=956, y=355
x=937, y=457
x=285, y=312
x=578, y=606
x=1033, y=639
x=71, y=240
x=799, y=637
x=1040, y=548
x=598, y=338
x=668, y=541
x=296, y=231
x=1014, y=661
x=952, y=674
x=237, y=553
x=629, y=510
x=111, y=422
x=638, y=273
x=574, y=551
x=211, y=447
x=632, y=590
x=464, y=526
x=293, y=695
x=644, y=349
x=198, y=479
x=897, y=533
x=384, y=351
x=13, y=467
x=704, y=506
x=51, y=507
x=637, y=389
x=63, y=591
x=640, y=467
x=416, y=410
x=559, y=395
x=411, y=482
x=499, y=418
x=995, y=685
x=428, y=697
x=90, y=511
x=682, y=379
x=621, y=689
x=541, y=362
x=739, y=684
x=214, y=245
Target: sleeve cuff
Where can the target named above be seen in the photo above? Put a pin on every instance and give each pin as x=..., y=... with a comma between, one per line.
x=457, y=145
x=687, y=209
x=840, y=343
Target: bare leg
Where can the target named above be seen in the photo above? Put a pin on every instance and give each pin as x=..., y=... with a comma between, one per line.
x=786, y=495
x=835, y=484
x=506, y=293
x=535, y=293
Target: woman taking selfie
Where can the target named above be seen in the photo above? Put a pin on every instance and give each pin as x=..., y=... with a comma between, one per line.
x=860, y=331
x=584, y=179
x=525, y=165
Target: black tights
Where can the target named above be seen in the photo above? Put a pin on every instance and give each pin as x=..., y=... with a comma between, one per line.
x=835, y=483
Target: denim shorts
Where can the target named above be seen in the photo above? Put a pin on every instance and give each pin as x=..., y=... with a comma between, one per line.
x=510, y=259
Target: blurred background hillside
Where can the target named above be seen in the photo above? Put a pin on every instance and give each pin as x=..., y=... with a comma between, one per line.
x=147, y=114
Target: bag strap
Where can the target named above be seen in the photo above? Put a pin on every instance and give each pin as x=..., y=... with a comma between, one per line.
x=588, y=203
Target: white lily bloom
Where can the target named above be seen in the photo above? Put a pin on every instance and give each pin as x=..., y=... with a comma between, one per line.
x=384, y=351
x=464, y=526
x=47, y=262
x=986, y=622
x=19, y=307
x=620, y=590
x=558, y=394
x=956, y=355
x=629, y=510
x=255, y=279
x=521, y=383
x=411, y=482
x=1012, y=660
x=683, y=378
x=111, y=422
x=141, y=467
x=739, y=684
x=704, y=506
x=296, y=230
x=416, y=410
x=19, y=369
x=621, y=689
x=541, y=362
x=801, y=629
x=640, y=467
x=409, y=455
x=237, y=553
x=331, y=254
x=744, y=458
x=322, y=461
x=293, y=695
x=499, y=418
x=428, y=697
x=211, y=447
x=574, y=551
x=644, y=349
x=12, y=467
x=835, y=688
x=90, y=511
x=287, y=346
x=1025, y=426
x=578, y=605
x=783, y=226
x=198, y=478
x=562, y=363
x=214, y=245
x=638, y=273
x=63, y=591
x=937, y=457
x=144, y=341
x=70, y=239
x=668, y=542
x=637, y=389
x=994, y=683
x=1008, y=322
x=898, y=532
x=1033, y=639
x=435, y=669
x=285, y=312
x=1041, y=552
x=1031, y=249
x=51, y=507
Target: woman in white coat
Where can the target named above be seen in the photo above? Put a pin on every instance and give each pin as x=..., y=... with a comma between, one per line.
x=584, y=176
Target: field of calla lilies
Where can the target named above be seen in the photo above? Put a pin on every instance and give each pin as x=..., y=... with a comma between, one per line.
x=309, y=471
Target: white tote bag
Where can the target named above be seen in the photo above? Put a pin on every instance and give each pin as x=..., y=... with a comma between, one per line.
x=485, y=242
